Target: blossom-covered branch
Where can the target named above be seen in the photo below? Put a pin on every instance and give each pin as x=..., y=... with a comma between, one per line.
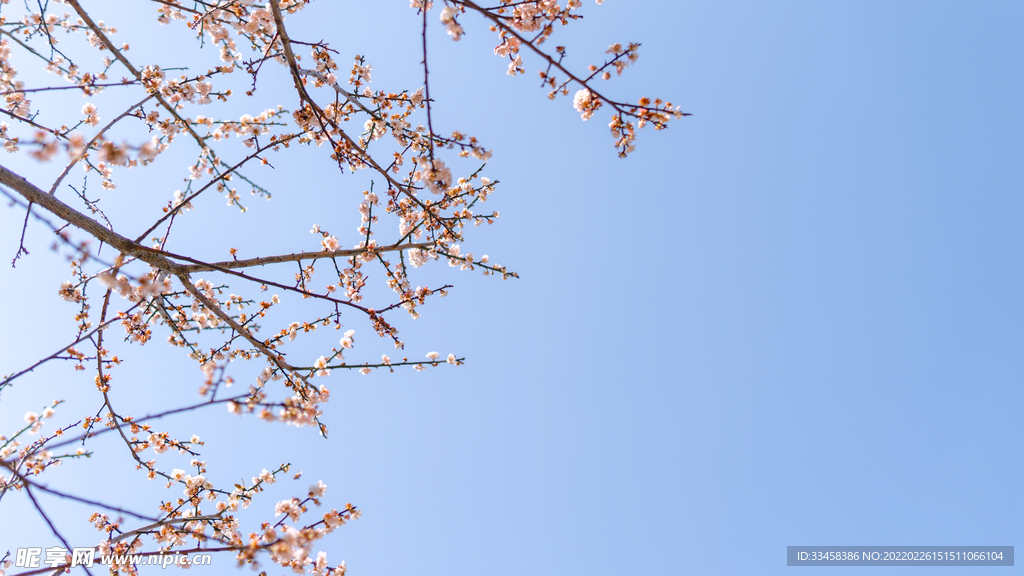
x=419, y=192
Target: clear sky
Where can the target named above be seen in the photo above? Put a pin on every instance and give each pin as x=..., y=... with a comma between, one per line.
x=794, y=318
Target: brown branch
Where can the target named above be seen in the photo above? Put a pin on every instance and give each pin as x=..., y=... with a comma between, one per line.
x=68, y=214
x=156, y=258
x=21, y=241
x=231, y=169
x=138, y=76
x=131, y=68
x=24, y=480
x=266, y=350
x=348, y=95
x=52, y=88
x=364, y=155
x=426, y=89
x=8, y=379
x=296, y=257
x=90, y=435
x=42, y=513
x=618, y=106
x=32, y=123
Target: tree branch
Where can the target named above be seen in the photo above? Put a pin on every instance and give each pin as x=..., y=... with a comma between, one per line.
x=296, y=257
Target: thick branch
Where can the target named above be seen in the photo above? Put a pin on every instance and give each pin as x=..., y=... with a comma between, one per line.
x=68, y=214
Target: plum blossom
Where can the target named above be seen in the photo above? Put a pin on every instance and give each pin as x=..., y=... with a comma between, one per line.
x=290, y=508
x=330, y=243
x=448, y=19
x=586, y=103
x=317, y=490
x=347, y=339
x=69, y=293
x=91, y=118
x=321, y=366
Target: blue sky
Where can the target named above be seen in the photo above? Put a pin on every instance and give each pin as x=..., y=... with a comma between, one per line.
x=794, y=318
